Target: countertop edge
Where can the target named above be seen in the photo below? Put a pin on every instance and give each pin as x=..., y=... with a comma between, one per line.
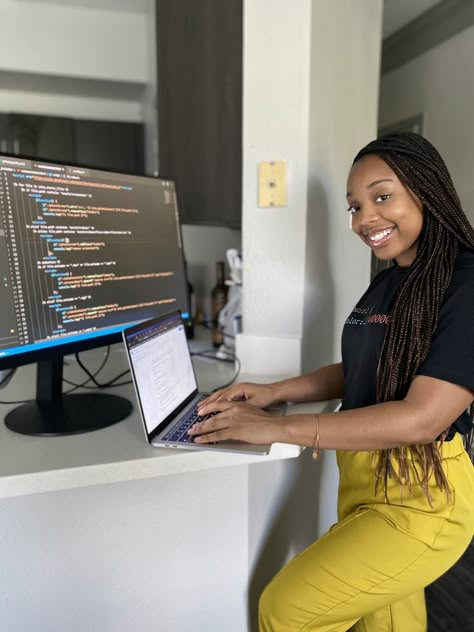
x=174, y=462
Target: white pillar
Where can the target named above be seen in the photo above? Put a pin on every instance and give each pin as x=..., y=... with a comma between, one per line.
x=310, y=98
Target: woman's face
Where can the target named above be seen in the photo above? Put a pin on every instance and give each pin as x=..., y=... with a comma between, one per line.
x=386, y=215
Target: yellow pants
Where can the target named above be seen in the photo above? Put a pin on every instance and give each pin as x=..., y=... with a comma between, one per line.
x=369, y=570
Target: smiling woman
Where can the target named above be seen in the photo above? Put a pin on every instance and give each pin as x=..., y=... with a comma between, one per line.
x=406, y=493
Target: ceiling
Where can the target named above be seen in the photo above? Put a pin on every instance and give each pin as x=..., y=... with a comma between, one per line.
x=398, y=13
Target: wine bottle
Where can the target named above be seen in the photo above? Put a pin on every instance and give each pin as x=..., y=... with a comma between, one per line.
x=189, y=321
x=192, y=312
x=218, y=300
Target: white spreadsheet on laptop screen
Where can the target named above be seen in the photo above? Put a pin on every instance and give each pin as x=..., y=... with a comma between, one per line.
x=163, y=373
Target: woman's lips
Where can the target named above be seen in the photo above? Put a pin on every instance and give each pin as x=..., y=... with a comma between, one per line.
x=379, y=238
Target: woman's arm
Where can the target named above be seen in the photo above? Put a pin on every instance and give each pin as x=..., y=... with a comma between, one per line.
x=431, y=406
x=319, y=385
x=325, y=383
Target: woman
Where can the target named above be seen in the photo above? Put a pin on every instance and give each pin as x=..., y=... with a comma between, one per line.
x=406, y=493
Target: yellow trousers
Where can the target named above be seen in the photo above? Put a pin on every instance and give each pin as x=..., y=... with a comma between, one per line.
x=370, y=569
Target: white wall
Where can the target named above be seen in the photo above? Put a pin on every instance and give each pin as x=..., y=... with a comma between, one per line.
x=439, y=84
x=144, y=556
x=344, y=84
x=69, y=61
x=54, y=40
x=275, y=127
x=85, y=107
x=303, y=268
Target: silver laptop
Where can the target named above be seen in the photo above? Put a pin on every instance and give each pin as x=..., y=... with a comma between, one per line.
x=166, y=387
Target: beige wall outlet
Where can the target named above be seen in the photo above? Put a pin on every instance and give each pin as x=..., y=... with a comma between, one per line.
x=272, y=184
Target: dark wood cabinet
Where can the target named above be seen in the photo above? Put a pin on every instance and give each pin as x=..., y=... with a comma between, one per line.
x=48, y=137
x=101, y=144
x=110, y=145
x=4, y=134
x=199, y=61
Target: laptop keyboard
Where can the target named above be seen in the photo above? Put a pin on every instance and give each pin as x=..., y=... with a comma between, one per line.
x=180, y=431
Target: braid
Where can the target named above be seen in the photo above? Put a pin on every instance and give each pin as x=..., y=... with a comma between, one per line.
x=414, y=316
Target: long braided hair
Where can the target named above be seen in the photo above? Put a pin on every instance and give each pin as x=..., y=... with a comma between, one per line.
x=415, y=313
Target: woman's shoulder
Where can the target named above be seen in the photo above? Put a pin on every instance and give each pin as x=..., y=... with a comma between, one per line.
x=464, y=267
x=461, y=286
x=465, y=259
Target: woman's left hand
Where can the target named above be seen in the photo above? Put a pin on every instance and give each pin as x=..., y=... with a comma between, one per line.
x=235, y=420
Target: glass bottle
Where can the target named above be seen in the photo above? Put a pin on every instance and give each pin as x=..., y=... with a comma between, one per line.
x=218, y=300
x=189, y=321
x=192, y=312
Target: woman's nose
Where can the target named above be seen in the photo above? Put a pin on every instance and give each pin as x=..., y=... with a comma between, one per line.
x=366, y=216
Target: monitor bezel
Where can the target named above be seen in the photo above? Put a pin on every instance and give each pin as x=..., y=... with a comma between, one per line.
x=61, y=349
x=92, y=340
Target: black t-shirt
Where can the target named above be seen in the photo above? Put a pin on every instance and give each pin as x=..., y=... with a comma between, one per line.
x=451, y=354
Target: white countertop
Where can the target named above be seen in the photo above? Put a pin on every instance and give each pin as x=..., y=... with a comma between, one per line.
x=31, y=465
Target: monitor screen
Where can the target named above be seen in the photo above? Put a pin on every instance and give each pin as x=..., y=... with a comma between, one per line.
x=83, y=253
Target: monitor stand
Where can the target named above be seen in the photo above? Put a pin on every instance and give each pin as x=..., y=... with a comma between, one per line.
x=55, y=414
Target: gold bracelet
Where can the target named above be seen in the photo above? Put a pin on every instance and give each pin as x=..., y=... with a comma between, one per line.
x=315, y=445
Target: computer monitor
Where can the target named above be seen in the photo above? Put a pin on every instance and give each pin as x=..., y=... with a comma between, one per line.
x=83, y=253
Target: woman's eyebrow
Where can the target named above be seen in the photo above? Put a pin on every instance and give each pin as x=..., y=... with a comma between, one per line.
x=372, y=184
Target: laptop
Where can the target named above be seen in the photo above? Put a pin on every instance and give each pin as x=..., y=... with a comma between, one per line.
x=166, y=386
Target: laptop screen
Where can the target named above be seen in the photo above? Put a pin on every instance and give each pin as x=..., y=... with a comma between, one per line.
x=162, y=368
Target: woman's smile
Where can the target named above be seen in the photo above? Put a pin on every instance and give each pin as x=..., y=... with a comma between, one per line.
x=377, y=238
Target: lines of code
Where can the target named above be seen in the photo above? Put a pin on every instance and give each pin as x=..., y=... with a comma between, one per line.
x=83, y=252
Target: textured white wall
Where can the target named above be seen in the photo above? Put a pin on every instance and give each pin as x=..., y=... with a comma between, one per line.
x=69, y=41
x=157, y=555
x=439, y=84
x=345, y=60
x=75, y=106
x=275, y=127
x=44, y=47
x=310, y=98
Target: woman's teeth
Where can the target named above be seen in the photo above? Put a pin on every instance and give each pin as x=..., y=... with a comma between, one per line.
x=379, y=236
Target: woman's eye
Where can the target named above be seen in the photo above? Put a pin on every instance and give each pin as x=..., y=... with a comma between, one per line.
x=352, y=209
x=382, y=198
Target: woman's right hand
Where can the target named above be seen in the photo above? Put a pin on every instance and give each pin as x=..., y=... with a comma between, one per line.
x=259, y=395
